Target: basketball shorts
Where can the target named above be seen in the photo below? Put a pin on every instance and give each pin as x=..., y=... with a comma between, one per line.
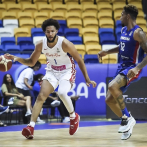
x=54, y=77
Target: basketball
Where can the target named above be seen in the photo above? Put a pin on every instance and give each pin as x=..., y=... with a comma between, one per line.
x=5, y=63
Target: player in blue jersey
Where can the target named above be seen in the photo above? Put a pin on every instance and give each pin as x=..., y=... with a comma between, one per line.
x=133, y=43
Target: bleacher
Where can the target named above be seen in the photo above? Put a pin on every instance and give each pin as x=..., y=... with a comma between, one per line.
x=91, y=25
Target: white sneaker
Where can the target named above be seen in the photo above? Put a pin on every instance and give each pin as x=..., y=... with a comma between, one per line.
x=66, y=119
x=127, y=135
x=55, y=103
x=11, y=101
x=126, y=124
x=40, y=121
x=28, y=113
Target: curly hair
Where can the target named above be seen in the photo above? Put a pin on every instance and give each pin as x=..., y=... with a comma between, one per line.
x=50, y=22
x=132, y=10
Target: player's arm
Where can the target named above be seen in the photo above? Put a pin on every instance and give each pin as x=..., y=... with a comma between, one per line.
x=67, y=46
x=33, y=58
x=139, y=36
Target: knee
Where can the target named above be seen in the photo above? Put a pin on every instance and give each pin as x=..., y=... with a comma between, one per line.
x=62, y=94
x=41, y=97
x=109, y=99
x=111, y=87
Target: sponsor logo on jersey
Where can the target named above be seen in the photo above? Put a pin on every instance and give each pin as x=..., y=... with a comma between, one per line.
x=52, y=55
x=125, y=38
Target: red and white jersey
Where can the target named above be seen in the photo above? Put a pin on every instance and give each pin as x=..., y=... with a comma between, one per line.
x=57, y=59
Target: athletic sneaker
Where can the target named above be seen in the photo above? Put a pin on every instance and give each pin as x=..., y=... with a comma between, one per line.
x=40, y=121
x=127, y=135
x=74, y=125
x=28, y=113
x=126, y=124
x=55, y=103
x=66, y=120
x=28, y=132
x=4, y=109
x=11, y=101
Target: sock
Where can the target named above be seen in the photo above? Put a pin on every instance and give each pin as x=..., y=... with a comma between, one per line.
x=125, y=111
x=72, y=116
x=32, y=124
x=28, y=111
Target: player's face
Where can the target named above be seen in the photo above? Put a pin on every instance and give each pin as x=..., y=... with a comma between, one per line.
x=123, y=18
x=8, y=78
x=51, y=33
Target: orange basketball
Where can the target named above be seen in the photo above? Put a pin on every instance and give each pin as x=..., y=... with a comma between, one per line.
x=5, y=63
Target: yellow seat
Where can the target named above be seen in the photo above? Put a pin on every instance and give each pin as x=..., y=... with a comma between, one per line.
x=8, y=1
x=73, y=15
x=82, y=2
x=29, y=8
x=138, y=4
x=21, y=32
x=119, y=2
x=27, y=24
x=22, y=2
x=74, y=23
x=71, y=1
x=24, y=15
x=90, y=24
x=38, y=2
x=117, y=14
x=90, y=31
x=9, y=15
x=2, y=9
x=104, y=15
x=74, y=8
x=42, y=59
x=90, y=40
x=57, y=16
x=41, y=15
x=104, y=6
x=59, y=8
x=145, y=30
x=45, y=8
x=38, y=23
x=81, y=50
x=93, y=49
x=111, y=58
x=89, y=8
x=89, y=15
x=141, y=22
x=99, y=1
x=140, y=14
x=106, y=23
x=58, y=2
x=14, y=8
x=134, y=1
x=114, y=1
x=117, y=7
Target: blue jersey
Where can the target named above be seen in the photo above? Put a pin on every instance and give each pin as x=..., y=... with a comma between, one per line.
x=130, y=52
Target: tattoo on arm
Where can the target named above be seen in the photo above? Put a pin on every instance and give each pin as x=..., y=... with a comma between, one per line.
x=120, y=101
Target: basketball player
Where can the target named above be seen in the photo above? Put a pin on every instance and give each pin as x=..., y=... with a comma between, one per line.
x=133, y=43
x=60, y=70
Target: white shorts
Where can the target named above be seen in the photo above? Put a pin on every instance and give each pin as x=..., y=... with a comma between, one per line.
x=54, y=77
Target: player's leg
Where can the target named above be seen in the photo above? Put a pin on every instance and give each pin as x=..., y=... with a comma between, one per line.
x=114, y=87
x=64, y=87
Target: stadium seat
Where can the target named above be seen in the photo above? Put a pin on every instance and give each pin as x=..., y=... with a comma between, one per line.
x=108, y=46
x=24, y=41
x=71, y=32
x=106, y=23
x=14, y=7
x=104, y=15
x=91, y=59
x=1, y=24
x=105, y=39
x=111, y=58
x=10, y=23
x=21, y=32
x=2, y=9
x=75, y=39
x=140, y=14
x=81, y=50
x=42, y=59
x=59, y=8
x=141, y=22
x=89, y=8
x=38, y=2
x=107, y=31
x=117, y=7
x=9, y=15
x=41, y=15
x=93, y=49
x=27, y=48
x=90, y=40
x=104, y=6
x=1, y=49
x=25, y=15
x=88, y=23
x=12, y=48
x=37, y=32
x=118, y=34
x=60, y=32
x=44, y=8
x=115, y=1
x=38, y=23
x=37, y=39
x=7, y=41
x=89, y=15
x=73, y=15
x=90, y=31
x=138, y=4
x=117, y=15
x=6, y=32
x=74, y=8
x=118, y=24
x=8, y=1
x=134, y=1
x=62, y=24
x=57, y=16
x=29, y=8
x=74, y=23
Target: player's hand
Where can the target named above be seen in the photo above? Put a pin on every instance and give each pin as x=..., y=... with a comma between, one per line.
x=91, y=82
x=132, y=73
x=101, y=54
x=12, y=57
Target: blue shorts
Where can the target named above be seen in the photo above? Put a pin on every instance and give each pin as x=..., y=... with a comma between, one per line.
x=123, y=71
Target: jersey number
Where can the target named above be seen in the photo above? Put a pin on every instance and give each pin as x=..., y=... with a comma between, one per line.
x=122, y=46
x=55, y=61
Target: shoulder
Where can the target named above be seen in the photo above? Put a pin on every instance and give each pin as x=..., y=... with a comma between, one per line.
x=139, y=34
x=67, y=45
x=38, y=45
x=3, y=85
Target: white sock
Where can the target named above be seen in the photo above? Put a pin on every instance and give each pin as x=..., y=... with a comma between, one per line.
x=29, y=111
x=72, y=116
x=32, y=124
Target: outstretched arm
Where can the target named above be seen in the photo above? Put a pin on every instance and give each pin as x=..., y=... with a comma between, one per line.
x=33, y=58
x=139, y=36
x=69, y=47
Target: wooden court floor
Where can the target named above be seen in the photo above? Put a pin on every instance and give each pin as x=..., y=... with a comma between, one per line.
x=99, y=136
